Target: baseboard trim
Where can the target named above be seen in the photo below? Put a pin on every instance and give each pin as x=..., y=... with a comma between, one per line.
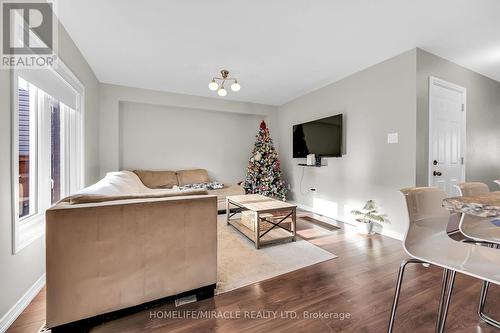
x=388, y=233
x=393, y=234
x=21, y=304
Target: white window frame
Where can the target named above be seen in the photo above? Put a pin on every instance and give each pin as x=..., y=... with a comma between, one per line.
x=30, y=228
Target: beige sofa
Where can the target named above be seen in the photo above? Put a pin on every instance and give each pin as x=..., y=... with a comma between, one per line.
x=118, y=244
x=171, y=179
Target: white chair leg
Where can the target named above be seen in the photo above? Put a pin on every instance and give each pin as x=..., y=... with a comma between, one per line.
x=398, y=289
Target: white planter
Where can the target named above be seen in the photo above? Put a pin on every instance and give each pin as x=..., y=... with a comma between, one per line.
x=365, y=228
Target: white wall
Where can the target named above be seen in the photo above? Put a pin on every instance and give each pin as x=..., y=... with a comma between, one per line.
x=20, y=271
x=375, y=101
x=113, y=96
x=156, y=137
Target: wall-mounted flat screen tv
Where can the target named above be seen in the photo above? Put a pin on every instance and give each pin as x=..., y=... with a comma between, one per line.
x=322, y=137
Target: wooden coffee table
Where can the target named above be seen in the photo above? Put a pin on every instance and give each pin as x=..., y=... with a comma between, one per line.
x=262, y=207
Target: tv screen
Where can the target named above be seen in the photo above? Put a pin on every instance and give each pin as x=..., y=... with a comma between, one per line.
x=322, y=137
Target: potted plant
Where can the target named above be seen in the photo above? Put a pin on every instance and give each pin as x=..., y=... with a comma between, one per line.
x=367, y=216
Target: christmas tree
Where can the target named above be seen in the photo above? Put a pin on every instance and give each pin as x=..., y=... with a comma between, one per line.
x=263, y=171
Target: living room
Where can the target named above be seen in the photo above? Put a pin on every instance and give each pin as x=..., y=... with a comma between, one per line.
x=264, y=166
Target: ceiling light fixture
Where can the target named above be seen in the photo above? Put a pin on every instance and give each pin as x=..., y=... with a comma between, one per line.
x=221, y=91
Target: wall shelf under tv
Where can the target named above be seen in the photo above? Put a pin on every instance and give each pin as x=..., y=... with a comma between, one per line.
x=307, y=165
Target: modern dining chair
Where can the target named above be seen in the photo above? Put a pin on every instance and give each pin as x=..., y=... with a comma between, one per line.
x=426, y=241
x=472, y=188
x=482, y=231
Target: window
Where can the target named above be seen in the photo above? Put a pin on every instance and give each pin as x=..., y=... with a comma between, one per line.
x=48, y=147
x=27, y=158
x=55, y=149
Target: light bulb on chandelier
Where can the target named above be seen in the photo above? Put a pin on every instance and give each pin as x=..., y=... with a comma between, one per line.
x=213, y=85
x=235, y=86
x=222, y=92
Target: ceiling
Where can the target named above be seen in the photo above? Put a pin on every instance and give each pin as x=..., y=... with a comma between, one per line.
x=279, y=49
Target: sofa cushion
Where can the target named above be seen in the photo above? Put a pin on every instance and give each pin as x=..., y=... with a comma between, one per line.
x=195, y=176
x=157, y=179
x=229, y=189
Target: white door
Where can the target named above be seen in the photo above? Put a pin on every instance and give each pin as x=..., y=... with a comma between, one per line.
x=446, y=135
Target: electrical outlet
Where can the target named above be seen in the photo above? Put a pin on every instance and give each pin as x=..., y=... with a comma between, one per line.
x=289, y=186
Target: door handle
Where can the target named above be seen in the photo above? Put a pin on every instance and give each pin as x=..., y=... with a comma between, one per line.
x=437, y=173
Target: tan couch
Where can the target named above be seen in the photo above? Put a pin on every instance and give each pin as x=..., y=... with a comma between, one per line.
x=171, y=179
x=118, y=244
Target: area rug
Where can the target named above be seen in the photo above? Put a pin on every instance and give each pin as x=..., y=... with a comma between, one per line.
x=241, y=264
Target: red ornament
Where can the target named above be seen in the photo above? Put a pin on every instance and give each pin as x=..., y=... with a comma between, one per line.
x=263, y=125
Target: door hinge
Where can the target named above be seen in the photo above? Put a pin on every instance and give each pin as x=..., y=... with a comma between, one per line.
x=463, y=107
x=462, y=160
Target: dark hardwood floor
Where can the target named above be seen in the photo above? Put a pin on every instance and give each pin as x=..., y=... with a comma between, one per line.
x=360, y=284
